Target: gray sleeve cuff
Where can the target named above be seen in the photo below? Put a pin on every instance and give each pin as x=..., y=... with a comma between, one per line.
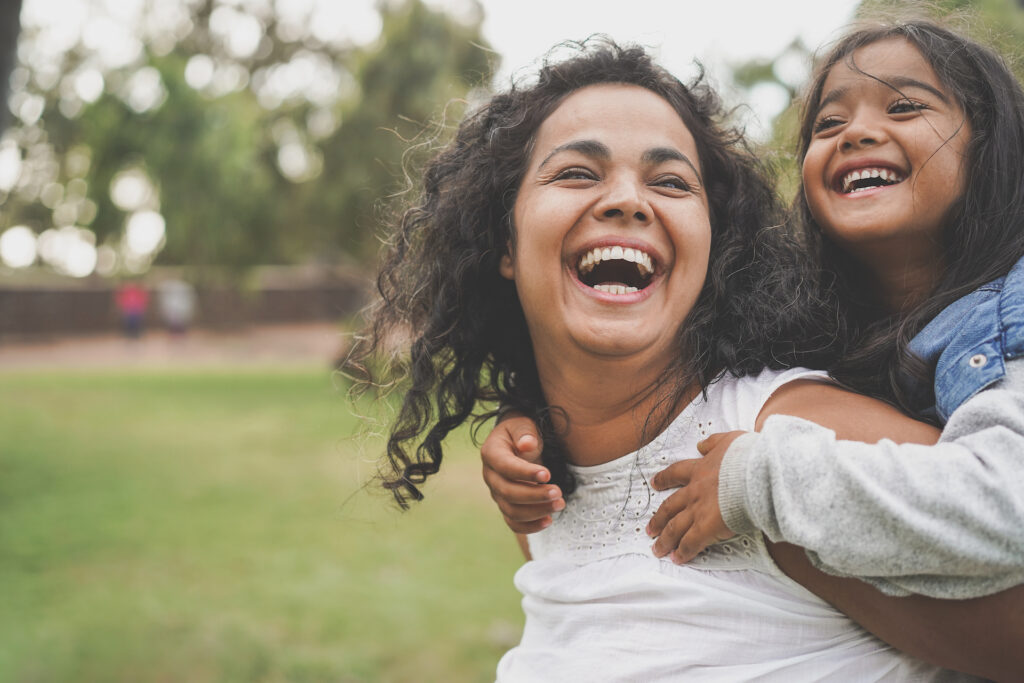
x=732, y=487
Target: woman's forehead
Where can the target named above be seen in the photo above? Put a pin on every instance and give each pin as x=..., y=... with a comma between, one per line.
x=619, y=115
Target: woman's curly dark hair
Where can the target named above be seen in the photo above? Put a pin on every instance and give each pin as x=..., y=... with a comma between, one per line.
x=441, y=291
x=983, y=235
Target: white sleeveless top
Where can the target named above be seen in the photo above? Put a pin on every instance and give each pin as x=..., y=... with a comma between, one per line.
x=600, y=607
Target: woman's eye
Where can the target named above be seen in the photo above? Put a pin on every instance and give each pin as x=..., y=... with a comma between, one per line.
x=906, y=106
x=575, y=173
x=673, y=182
x=826, y=122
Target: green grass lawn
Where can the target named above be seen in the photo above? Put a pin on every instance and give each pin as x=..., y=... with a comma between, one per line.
x=208, y=526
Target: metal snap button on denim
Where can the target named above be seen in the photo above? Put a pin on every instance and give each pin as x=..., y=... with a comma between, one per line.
x=978, y=360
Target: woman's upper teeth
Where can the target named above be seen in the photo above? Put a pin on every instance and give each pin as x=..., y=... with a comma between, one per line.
x=596, y=255
x=888, y=175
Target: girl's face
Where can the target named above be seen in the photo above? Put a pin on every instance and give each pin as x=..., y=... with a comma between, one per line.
x=612, y=228
x=887, y=153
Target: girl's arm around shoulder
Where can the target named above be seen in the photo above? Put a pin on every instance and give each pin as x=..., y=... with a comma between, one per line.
x=945, y=520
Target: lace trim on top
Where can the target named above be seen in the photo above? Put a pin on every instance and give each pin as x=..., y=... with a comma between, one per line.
x=607, y=515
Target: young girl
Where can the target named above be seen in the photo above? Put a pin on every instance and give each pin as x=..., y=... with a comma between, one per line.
x=595, y=243
x=912, y=150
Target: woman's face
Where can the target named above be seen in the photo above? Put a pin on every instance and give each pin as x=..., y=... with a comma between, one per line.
x=612, y=232
x=887, y=152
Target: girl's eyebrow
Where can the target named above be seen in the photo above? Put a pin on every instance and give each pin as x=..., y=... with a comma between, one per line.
x=896, y=83
x=598, y=150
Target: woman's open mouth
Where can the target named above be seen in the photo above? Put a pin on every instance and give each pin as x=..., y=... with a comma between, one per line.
x=615, y=270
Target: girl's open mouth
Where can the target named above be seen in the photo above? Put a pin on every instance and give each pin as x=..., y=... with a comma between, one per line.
x=616, y=269
x=868, y=178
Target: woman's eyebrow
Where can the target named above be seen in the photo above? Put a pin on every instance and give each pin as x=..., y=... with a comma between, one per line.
x=589, y=148
x=658, y=155
x=598, y=150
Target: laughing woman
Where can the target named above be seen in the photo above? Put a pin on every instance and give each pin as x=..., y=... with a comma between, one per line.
x=592, y=249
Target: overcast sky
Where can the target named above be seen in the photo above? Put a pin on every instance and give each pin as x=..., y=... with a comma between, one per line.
x=717, y=32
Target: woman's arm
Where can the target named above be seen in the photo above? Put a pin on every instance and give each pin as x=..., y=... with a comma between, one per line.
x=851, y=503
x=981, y=636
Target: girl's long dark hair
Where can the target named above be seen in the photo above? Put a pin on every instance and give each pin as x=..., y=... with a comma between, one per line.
x=983, y=235
x=443, y=300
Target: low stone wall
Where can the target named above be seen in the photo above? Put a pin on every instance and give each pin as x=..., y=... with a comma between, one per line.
x=89, y=307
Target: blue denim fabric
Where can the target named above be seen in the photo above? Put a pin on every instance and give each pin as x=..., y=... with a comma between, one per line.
x=970, y=340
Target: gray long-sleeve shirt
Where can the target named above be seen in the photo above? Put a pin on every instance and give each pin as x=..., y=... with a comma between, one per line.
x=945, y=520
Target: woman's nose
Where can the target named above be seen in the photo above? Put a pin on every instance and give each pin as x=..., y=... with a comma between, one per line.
x=623, y=200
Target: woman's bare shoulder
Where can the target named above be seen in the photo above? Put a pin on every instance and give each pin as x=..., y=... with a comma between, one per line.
x=850, y=415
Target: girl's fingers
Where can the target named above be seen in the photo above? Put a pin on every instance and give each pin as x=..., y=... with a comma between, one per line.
x=675, y=475
x=516, y=492
x=672, y=533
x=501, y=457
x=671, y=507
x=709, y=444
x=690, y=545
x=524, y=435
x=704, y=447
x=528, y=527
x=524, y=514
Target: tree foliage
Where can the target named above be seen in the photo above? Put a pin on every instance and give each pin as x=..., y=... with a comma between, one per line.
x=10, y=10
x=278, y=155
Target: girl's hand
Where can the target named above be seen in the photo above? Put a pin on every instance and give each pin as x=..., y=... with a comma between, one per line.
x=689, y=520
x=518, y=482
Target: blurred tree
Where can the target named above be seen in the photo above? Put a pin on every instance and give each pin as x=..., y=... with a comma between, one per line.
x=237, y=135
x=422, y=64
x=997, y=23
x=10, y=12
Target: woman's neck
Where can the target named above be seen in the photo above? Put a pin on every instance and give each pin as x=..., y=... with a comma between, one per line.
x=608, y=409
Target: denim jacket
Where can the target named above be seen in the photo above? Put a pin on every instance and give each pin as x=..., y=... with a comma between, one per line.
x=970, y=340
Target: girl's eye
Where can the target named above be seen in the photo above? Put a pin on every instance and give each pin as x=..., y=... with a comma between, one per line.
x=673, y=182
x=905, y=106
x=826, y=122
x=575, y=173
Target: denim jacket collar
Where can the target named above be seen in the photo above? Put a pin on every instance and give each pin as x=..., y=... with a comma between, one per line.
x=970, y=340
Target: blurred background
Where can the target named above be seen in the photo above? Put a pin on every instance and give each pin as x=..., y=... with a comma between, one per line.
x=191, y=198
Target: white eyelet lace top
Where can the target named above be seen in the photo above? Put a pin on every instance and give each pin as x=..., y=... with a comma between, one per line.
x=600, y=607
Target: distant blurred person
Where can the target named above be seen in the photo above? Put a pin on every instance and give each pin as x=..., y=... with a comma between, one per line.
x=177, y=301
x=132, y=301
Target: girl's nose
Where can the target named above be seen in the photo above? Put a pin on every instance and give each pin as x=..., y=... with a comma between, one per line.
x=862, y=131
x=623, y=200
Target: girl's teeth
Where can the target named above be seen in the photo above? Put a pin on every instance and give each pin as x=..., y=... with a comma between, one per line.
x=888, y=176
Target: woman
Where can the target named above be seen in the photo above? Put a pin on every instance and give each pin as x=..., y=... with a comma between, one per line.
x=591, y=250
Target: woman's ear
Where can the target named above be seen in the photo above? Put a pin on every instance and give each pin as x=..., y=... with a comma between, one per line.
x=507, y=266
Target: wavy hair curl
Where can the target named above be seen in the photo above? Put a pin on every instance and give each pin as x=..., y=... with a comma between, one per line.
x=468, y=343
